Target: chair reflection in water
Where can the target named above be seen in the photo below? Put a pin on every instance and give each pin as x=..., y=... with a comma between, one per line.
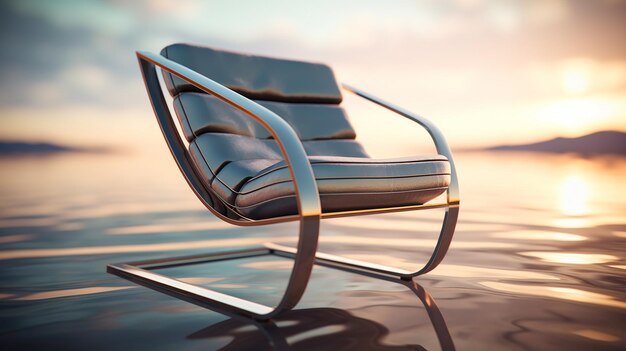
x=323, y=329
x=266, y=142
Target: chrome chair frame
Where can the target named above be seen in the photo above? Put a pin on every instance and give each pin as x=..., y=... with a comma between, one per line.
x=309, y=208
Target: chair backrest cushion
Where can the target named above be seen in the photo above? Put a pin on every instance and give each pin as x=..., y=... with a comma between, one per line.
x=228, y=147
x=201, y=113
x=255, y=77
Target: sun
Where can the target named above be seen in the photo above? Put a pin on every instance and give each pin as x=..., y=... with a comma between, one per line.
x=576, y=77
x=576, y=82
x=574, y=196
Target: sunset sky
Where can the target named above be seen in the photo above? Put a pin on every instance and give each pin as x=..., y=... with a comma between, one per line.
x=487, y=72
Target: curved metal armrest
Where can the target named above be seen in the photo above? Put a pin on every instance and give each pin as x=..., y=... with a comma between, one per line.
x=435, y=134
x=288, y=141
x=305, y=186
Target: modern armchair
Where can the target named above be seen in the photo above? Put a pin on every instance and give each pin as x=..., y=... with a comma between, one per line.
x=267, y=142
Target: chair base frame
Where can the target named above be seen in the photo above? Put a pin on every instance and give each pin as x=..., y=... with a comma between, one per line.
x=140, y=272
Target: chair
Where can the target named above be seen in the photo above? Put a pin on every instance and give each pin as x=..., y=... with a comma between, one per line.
x=267, y=142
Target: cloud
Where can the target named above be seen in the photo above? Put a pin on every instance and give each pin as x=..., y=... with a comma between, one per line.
x=491, y=58
x=41, y=59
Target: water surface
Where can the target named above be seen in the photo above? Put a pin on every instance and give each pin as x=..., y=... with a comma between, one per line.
x=537, y=262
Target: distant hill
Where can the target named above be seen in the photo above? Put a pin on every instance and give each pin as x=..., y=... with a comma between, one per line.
x=16, y=148
x=607, y=142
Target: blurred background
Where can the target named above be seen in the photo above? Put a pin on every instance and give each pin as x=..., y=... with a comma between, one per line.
x=487, y=72
x=539, y=247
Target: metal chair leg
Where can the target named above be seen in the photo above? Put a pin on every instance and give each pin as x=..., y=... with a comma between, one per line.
x=441, y=248
x=305, y=255
x=139, y=272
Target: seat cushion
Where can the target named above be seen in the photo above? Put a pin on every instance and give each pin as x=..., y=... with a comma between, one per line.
x=346, y=183
x=225, y=161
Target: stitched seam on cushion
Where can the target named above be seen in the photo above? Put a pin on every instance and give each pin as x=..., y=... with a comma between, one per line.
x=222, y=167
x=213, y=173
x=343, y=178
x=205, y=161
x=237, y=193
x=347, y=193
x=224, y=202
x=232, y=207
x=237, y=208
x=342, y=163
x=226, y=163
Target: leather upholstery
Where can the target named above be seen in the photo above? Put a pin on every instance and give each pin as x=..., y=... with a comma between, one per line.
x=347, y=183
x=255, y=77
x=250, y=175
x=242, y=166
x=200, y=113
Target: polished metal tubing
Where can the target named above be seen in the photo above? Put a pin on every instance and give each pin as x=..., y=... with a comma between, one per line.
x=453, y=195
x=309, y=207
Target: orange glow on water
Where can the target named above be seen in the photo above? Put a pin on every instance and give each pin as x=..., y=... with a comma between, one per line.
x=596, y=335
x=560, y=293
x=538, y=235
x=574, y=196
x=571, y=258
x=71, y=292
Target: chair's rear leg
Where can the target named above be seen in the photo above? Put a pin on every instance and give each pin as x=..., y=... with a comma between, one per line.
x=439, y=252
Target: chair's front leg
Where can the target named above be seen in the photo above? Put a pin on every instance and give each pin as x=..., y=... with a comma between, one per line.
x=309, y=208
x=443, y=242
x=302, y=266
x=304, y=259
